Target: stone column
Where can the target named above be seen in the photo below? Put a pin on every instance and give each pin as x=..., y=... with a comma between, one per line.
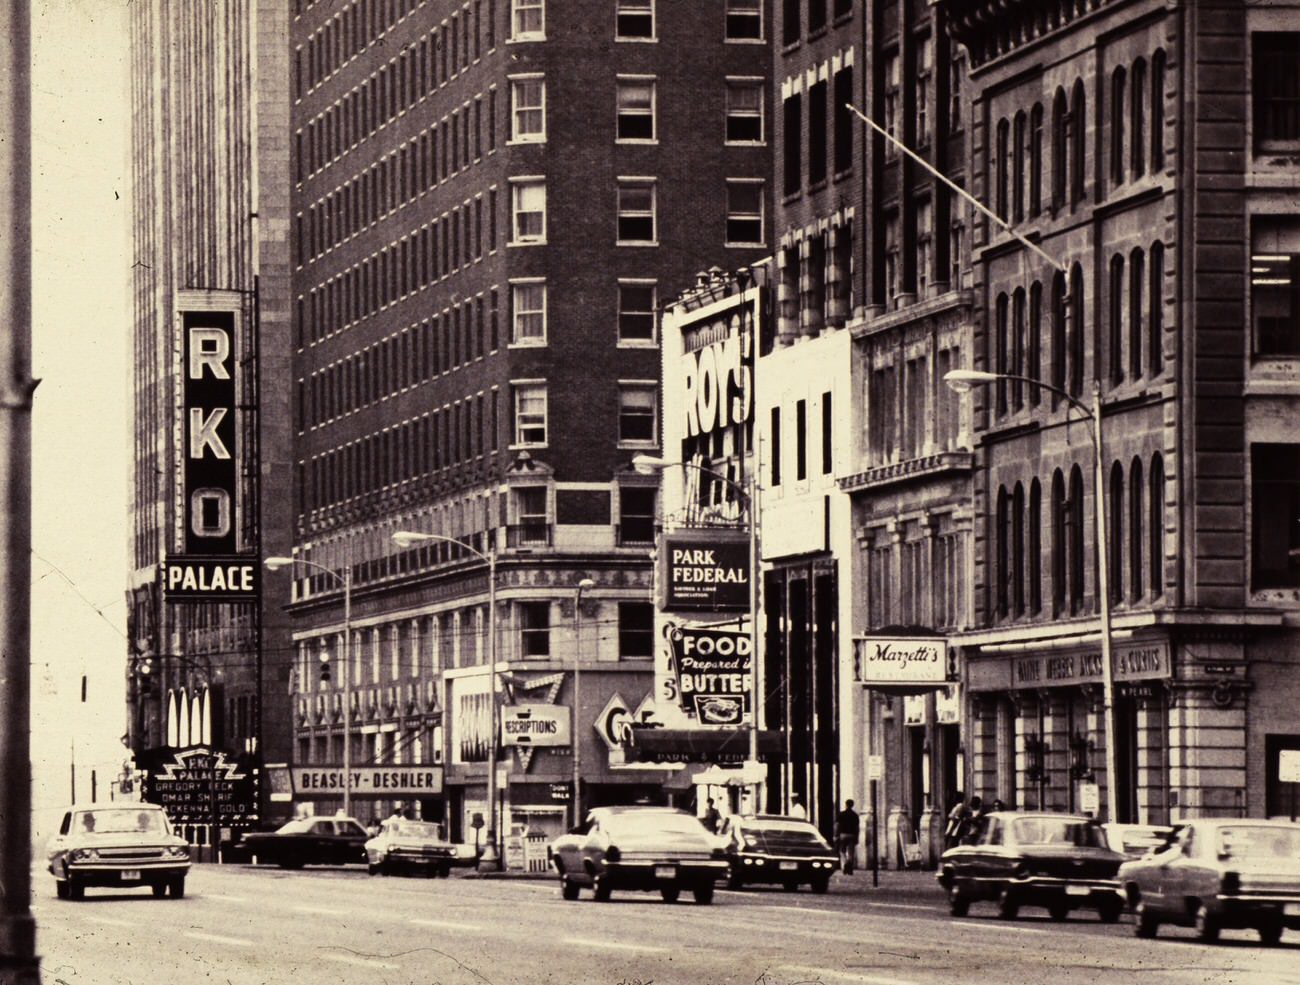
x=1153, y=773
x=787, y=295
x=1207, y=753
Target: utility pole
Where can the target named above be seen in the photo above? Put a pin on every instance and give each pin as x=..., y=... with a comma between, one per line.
x=18, y=962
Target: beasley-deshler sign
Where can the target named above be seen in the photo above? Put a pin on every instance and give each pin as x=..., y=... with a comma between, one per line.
x=313, y=782
x=706, y=569
x=901, y=660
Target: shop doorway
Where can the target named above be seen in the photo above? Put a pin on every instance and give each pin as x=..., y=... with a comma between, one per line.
x=1126, y=759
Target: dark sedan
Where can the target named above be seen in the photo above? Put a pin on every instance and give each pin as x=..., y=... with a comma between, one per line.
x=646, y=848
x=784, y=850
x=1034, y=858
x=309, y=841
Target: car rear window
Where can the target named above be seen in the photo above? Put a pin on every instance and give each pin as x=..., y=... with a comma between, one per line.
x=1057, y=831
x=658, y=822
x=415, y=829
x=1245, y=841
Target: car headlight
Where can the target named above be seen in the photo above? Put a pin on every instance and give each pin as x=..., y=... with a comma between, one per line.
x=85, y=855
x=750, y=842
x=612, y=854
x=1230, y=884
x=178, y=851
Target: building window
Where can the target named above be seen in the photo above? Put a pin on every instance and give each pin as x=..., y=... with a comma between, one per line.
x=1155, y=309
x=1137, y=118
x=636, y=520
x=1018, y=159
x=528, y=211
x=744, y=20
x=1001, y=169
x=1275, y=516
x=636, y=311
x=1136, y=288
x=744, y=111
x=530, y=414
x=527, y=22
x=1275, y=85
x=924, y=72
x=636, y=211
x=924, y=246
x=744, y=212
x=800, y=440
x=1076, y=538
x=892, y=101
x=828, y=432
x=842, y=153
x=1117, y=107
x=1076, y=330
x=635, y=100
x=891, y=257
x=792, y=142
x=817, y=135
x=528, y=313
x=1078, y=144
x=1034, y=548
x=1157, y=526
x=1157, y=112
x=1275, y=284
x=1136, y=525
x=1001, y=352
x=637, y=413
x=534, y=629
x=790, y=21
x=1116, y=320
x=636, y=630
x=1002, y=535
x=528, y=110
x=1018, y=347
x=635, y=20
x=1036, y=160
x=1116, y=546
x=1059, y=543
x=956, y=69
x=775, y=437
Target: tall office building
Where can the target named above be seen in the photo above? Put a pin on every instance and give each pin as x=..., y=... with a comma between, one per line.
x=210, y=331
x=492, y=201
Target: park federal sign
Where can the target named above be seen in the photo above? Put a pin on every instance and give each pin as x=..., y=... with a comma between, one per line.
x=706, y=569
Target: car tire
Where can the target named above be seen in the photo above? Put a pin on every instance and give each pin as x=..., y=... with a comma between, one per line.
x=820, y=884
x=1058, y=911
x=1270, y=933
x=790, y=887
x=76, y=891
x=568, y=888
x=1144, y=922
x=670, y=893
x=159, y=890
x=1109, y=912
x=1207, y=925
x=178, y=887
x=601, y=891
x=61, y=888
x=444, y=871
x=734, y=881
x=1008, y=906
x=703, y=894
x=958, y=905
x=372, y=868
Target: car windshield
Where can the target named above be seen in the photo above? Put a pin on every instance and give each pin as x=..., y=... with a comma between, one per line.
x=1057, y=831
x=119, y=822
x=655, y=823
x=414, y=829
x=791, y=833
x=296, y=826
x=1245, y=841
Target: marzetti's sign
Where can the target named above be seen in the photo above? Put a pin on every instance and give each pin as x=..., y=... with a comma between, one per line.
x=321, y=782
x=908, y=660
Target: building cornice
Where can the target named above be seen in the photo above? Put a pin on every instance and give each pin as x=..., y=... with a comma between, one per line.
x=910, y=470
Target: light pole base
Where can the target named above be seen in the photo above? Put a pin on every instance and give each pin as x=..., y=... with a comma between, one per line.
x=489, y=858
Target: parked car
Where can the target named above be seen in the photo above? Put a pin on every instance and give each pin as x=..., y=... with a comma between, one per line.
x=309, y=841
x=646, y=848
x=1136, y=840
x=1219, y=873
x=771, y=848
x=122, y=845
x=1034, y=858
x=403, y=845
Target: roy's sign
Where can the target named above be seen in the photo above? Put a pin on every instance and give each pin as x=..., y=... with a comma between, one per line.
x=209, y=435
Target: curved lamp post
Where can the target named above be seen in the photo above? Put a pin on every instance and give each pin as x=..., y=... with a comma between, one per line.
x=406, y=538
x=962, y=381
x=577, y=694
x=649, y=463
x=344, y=578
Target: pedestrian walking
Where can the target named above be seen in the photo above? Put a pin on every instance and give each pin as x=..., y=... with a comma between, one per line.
x=959, y=820
x=848, y=827
x=797, y=809
x=712, y=818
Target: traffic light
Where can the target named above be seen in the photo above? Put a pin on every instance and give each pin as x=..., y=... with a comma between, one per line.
x=324, y=666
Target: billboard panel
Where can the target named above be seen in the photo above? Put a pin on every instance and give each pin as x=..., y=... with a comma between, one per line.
x=208, y=409
x=706, y=570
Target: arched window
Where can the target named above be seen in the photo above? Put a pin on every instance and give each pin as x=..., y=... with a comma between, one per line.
x=1075, y=524
x=1158, y=112
x=1157, y=527
x=1155, y=310
x=1116, y=546
x=1136, y=524
x=1137, y=117
x=1117, y=108
x=1034, y=349
x=1003, y=542
x=1078, y=143
x=1059, y=312
x=1060, y=148
x=1018, y=347
x=1035, y=549
x=1076, y=328
x=1001, y=169
x=1060, y=530
x=1036, y=160
x=1018, y=550
x=1018, y=168
x=1136, y=285
x=1001, y=355
x=1115, y=312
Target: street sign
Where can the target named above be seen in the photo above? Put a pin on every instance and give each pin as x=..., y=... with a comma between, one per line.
x=1090, y=798
x=561, y=792
x=1288, y=765
x=875, y=767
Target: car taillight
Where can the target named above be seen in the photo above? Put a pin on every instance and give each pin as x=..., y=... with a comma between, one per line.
x=612, y=854
x=1021, y=871
x=718, y=853
x=1230, y=884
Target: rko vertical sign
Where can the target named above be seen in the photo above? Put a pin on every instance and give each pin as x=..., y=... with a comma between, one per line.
x=208, y=399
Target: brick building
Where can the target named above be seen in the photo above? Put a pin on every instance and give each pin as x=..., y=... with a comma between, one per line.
x=492, y=201
x=1151, y=149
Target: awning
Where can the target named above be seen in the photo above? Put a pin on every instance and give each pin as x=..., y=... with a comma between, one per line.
x=726, y=745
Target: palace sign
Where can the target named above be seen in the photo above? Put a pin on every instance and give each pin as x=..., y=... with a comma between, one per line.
x=193, y=579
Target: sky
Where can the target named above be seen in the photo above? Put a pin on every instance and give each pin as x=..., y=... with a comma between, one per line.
x=81, y=442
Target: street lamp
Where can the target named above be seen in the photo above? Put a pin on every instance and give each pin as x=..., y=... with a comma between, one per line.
x=344, y=578
x=577, y=692
x=405, y=538
x=962, y=381
x=649, y=463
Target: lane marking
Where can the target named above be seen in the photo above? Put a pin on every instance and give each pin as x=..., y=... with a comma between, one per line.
x=850, y=975
x=361, y=962
x=613, y=945
x=218, y=938
x=321, y=910
x=224, y=898
x=908, y=906
x=1003, y=926
x=444, y=924
x=807, y=909
x=111, y=921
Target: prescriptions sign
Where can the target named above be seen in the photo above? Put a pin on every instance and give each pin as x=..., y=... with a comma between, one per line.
x=535, y=725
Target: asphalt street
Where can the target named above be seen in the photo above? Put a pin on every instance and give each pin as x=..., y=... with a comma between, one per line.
x=242, y=925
